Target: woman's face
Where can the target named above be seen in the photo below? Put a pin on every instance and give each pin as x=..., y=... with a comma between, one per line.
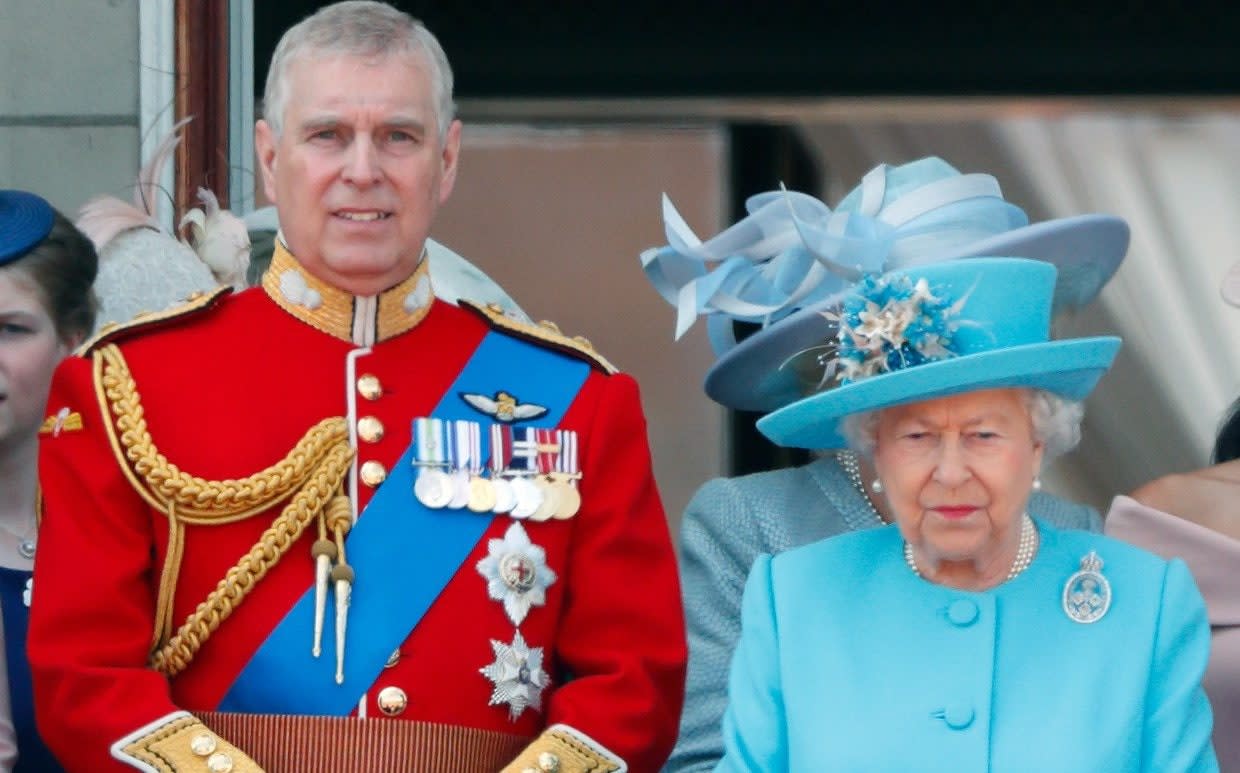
x=30, y=349
x=957, y=472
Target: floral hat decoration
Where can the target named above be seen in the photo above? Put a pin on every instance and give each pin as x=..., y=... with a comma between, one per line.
x=792, y=258
x=938, y=330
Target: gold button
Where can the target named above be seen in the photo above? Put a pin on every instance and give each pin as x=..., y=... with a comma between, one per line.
x=202, y=744
x=392, y=701
x=370, y=429
x=219, y=763
x=373, y=473
x=548, y=762
x=368, y=386
x=393, y=659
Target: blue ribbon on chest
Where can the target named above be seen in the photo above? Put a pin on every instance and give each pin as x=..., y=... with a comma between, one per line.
x=392, y=592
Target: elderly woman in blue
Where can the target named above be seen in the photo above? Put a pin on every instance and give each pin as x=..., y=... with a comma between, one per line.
x=966, y=636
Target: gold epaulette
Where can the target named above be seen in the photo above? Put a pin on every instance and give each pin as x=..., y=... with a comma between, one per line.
x=544, y=332
x=115, y=331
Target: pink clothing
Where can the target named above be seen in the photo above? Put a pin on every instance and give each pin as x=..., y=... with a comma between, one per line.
x=1214, y=560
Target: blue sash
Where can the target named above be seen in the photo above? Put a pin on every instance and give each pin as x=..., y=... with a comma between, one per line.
x=403, y=553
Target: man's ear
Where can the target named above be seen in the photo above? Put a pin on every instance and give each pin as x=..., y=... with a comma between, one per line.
x=265, y=149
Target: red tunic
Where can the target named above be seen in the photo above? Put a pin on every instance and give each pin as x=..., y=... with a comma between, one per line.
x=229, y=391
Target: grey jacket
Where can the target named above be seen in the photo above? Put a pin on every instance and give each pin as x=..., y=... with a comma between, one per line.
x=729, y=523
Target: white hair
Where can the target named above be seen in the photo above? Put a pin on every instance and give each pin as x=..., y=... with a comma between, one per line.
x=360, y=28
x=1056, y=424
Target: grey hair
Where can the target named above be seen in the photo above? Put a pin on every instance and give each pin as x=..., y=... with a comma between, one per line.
x=1056, y=425
x=361, y=28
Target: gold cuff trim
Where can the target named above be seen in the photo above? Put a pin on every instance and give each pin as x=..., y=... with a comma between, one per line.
x=334, y=311
x=186, y=744
x=544, y=332
x=558, y=750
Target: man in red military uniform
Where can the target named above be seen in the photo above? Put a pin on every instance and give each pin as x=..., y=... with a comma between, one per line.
x=335, y=524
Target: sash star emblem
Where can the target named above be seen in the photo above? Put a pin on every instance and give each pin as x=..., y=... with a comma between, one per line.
x=518, y=676
x=516, y=572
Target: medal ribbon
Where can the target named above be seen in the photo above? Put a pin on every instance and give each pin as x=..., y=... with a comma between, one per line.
x=548, y=450
x=392, y=592
x=501, y=449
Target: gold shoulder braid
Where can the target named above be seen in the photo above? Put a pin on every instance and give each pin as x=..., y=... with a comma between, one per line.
x=313, y=473
x=112, y=331
x=544, y=332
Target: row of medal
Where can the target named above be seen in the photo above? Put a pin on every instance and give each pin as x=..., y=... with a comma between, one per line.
x=532, y=473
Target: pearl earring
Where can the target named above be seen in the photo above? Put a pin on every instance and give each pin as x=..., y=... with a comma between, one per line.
x=877, y=486
x=1037, y=483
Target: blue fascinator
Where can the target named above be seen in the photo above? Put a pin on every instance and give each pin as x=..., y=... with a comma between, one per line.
x=793, y=257
x=25, y=220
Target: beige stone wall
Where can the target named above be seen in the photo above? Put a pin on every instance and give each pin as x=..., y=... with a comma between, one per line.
x=69, y=98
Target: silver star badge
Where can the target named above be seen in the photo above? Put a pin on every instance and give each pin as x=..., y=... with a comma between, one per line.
x=518, y=676
x=516, y=572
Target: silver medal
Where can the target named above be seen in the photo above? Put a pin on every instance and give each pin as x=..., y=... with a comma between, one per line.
x=432, y=488
x=1087, y=593
x=459, y=481
x=528, y=496
x=505, y=500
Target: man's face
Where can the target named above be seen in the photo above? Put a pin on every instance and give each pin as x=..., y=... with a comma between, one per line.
x=360, y=170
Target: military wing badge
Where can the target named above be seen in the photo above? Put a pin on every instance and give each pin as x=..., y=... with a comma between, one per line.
x=63, y=420
x=503, y=407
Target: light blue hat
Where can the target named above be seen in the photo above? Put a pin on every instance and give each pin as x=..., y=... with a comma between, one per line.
x=792, y=258
x=938, y=330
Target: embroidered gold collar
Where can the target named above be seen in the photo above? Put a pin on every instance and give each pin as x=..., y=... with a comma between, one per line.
x=361, y=319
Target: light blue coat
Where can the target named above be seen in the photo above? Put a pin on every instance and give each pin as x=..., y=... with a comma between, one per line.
x=848, y=661
x=727, y=525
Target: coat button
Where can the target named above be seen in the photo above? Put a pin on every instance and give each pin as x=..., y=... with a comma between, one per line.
x=392, y=701
x=393, y=659
x=958, y=717
x=368, y=386
x=373, y=473
x=219, y=763
x=202, y=745
x=370, y=429
x=962, y=612
x=548, y=763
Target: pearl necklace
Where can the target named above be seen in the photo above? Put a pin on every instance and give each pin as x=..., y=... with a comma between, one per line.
x=848, y=462
x=1024, y=552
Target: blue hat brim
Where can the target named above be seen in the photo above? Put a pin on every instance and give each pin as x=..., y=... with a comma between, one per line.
x=1068, y=368
x=1086, y=250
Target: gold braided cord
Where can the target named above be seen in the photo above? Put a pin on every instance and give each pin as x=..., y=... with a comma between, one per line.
x=168, y=579
x=199, y=500
x=325, y=482
x=312, y=474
